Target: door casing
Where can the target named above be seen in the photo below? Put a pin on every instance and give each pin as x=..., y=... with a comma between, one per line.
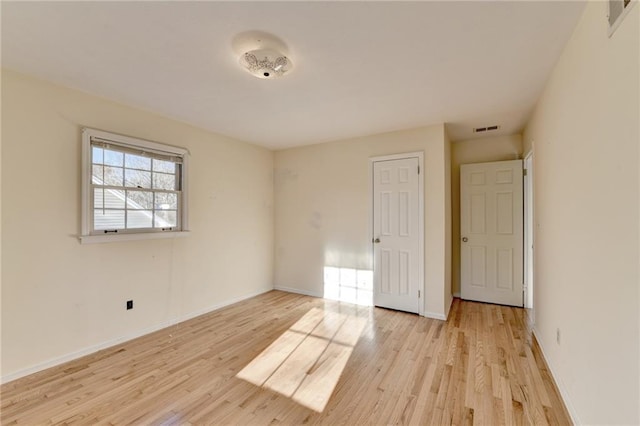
x=528, y=233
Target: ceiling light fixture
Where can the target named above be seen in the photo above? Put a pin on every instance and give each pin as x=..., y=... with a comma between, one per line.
x=265, y=63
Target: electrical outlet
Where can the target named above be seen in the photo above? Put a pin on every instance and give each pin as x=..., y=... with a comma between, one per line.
x=129, y=304
x=557, y=335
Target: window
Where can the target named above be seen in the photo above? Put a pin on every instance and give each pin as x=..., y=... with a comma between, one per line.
x=132, y=188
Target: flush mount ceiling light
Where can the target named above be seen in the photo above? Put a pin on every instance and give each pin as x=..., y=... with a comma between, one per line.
x=265, y=63
x=263, y=55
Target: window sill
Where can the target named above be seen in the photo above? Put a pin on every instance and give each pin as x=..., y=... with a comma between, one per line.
x=97, y=239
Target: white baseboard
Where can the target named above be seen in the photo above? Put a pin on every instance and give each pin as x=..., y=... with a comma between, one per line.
x=561, y=387
x=130, y=336
x=457, y=295
x=298, y=291
x=448, y=309
x=435, y=316
x=313, y=294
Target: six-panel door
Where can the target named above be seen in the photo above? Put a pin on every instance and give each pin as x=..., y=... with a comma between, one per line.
x=491, y=232
x=396, y=234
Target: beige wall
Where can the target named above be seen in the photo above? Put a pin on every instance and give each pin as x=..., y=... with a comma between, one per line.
x=323, y=216
x=61, y=298
x=500, y=148
x=586, y=135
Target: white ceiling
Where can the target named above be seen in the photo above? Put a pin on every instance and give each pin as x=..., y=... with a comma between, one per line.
x=360, y=68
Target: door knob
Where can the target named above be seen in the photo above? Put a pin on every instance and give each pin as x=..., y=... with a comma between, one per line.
x=465, y=239
x=377, y=240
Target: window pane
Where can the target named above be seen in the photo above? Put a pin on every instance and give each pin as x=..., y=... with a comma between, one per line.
x=113, y=158
x=166, y=201
x=139, y=219
x=164, y=181
x=137, y=162
x=97, y=155
x=108, y=219
x=135, y=186
x=98, y=198
x=139, y=200
x=165, y=219
x=113, y=176
x=164, y=166
x=96, y=172
x=113, y=199
x=137, y=178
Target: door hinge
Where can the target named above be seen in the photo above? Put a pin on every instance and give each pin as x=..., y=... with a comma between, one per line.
x=418, y=294
x=524, y=172
x=418, y=169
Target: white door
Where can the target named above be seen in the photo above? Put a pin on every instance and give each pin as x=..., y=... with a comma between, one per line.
x=397, y=239
x=491, y=231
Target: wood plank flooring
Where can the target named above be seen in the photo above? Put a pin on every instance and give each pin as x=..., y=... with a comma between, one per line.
x=480, y=367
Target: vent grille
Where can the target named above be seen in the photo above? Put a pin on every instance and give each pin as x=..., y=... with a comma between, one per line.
x=485, y=129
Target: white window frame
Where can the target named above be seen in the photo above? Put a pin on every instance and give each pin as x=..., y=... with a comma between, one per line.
x=88, y=235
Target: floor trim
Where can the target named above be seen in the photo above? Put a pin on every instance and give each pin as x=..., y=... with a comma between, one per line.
x=559, y=384
x=130, y=336
x=196, y=367
x=298, y=291
x=434, y=315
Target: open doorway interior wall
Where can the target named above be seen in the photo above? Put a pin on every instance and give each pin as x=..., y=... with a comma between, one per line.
x=487, y=149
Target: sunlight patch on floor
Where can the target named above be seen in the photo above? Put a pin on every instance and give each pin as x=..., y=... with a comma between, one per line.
x=306, y=361
x=349, y=285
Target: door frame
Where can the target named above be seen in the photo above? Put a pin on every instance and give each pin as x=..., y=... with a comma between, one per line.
x=529, y=231
x=420, y=156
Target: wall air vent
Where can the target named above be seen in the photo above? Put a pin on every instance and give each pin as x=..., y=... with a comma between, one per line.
x=485, y=129
x=618, y=9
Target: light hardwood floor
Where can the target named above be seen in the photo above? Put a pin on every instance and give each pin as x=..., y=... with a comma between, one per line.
x=481, y=367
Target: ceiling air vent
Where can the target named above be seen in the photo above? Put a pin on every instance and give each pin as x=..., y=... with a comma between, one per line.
x=485, y=129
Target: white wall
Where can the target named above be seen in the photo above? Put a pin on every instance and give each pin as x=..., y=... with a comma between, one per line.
x=586, y=134
x=499, y=148
x=322, y=197
x=61, y=298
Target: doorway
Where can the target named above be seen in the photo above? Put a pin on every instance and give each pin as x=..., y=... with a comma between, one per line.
x=398, y=236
